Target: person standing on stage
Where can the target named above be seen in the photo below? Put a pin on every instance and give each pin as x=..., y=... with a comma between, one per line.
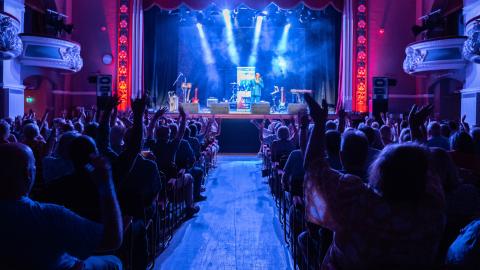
x=257, y=88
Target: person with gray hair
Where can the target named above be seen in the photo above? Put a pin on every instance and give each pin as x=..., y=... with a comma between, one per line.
x=394, y=222
x=47, y=236
x=435, y=138
x=4, y=131
x=59, y=164
x=283, y=146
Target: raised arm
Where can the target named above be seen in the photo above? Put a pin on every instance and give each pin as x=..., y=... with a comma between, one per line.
x=315, y=150
x=110, y=210
x=151, y=126
x=183, y=123
x=303, y=133
x=416, y=121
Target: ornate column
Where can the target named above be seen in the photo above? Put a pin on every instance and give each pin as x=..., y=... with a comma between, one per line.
x=470, y=99
x=11, y=88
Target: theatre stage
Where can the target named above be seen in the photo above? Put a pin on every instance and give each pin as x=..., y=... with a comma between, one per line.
x=237, y=115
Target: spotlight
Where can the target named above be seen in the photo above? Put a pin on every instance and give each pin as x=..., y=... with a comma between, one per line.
x=199, y=25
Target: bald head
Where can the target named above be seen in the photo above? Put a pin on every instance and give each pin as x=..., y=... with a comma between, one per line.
x=17, y=170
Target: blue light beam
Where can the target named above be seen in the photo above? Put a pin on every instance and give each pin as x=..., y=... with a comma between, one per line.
x=252, y=60
x=283, y=43
x=208, y=58
x=232, y=49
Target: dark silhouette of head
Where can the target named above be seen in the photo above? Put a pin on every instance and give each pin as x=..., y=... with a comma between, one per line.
x=330, y=125
x=445, y=130
x=444, y=167
x=186, y=134
x=30, y=131
x=462, y=142
x=17, y=171
x=63, y=147
x=333, y=139
x=162, y=133
x=354, y=150
x=400, y=172
x=434, y=129
x=369, y=132
x=283, y=133
x=4, y=130
x=91, y=129
x=81, y=148
x=173, y=130
x=193, y=130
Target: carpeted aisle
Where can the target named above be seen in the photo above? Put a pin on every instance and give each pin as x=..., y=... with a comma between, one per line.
x=236, y=227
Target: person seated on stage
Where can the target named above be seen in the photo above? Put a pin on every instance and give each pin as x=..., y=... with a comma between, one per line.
x=47, y=236
x=283, y=146
x=435, y=138
x=365, y=218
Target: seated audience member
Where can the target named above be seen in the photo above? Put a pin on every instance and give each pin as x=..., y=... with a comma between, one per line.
x=165, y=148
x=282, y=147
x=445, y=130
x=354, y=154
x=193, y=141
x=330, y=125
x=332, y=143
x=395, y=222
x=463, y=152
x=386, y=135
x=435, y=138
x=462, y=200
x=373, y=150
x=48, y=236
x=185, y=159
x=4, y=131
x=60, y=163
x=116, y=139
x=77, y=191
x=476, y=140
x=464, y=253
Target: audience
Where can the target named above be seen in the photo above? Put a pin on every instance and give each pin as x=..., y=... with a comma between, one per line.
x=47, y=236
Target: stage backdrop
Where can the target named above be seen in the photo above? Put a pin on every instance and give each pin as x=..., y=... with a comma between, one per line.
x=309, y=59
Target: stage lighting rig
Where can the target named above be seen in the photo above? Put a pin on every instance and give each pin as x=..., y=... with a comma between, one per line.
x=55, y=23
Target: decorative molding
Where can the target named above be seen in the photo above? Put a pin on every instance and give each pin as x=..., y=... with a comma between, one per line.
x=123, y=54
x=434, y=55
x=471, y=47
x=49, y=52
x=361, y=58
x=10, y=42
x=470, y=90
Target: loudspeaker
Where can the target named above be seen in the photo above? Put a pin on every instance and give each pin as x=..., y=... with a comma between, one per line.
x=380, y=95
x=104, y=85
x=210, y=101
x=191, y=107
x=220, y=108
x=293, y=108
x=260, y=108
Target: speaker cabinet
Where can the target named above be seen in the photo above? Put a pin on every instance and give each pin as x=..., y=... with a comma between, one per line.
x=293, y=108
x=191, y=107
x=220, y=108
x=260, y=108
x=380, y=96
x=104, y=85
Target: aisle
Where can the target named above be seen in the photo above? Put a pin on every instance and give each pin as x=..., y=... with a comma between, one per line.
x=236, y=227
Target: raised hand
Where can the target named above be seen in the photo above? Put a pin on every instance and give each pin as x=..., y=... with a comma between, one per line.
x=182, y=112
x=418, y=116
x=160, y=112
x=317, y=113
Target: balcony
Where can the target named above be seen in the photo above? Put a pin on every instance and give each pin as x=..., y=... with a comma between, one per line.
x=50, y=52
x=435, y=56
